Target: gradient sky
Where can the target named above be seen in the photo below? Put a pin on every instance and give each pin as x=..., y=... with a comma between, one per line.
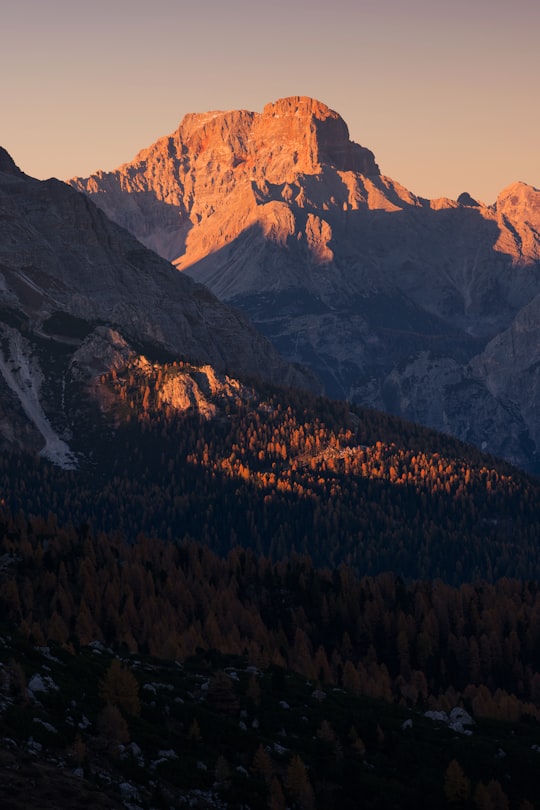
x=444, y=92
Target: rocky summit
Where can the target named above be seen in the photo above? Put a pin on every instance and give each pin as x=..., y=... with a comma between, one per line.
x=425, y=308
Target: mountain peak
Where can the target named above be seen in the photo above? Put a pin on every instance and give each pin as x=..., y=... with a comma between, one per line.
x=315, y=133
x=299, y=105
x=520, y=202
x=223, y=168
x=518, y=192
x=292, y=135
x=466, y=199
x=7, y=164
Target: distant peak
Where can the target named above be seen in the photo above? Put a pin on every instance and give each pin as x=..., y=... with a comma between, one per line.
x=7, y=164
x=306, y=132
x=518, y=195
x=466, y=199
x=519, y=187
x=300, y=105
x=311, y=128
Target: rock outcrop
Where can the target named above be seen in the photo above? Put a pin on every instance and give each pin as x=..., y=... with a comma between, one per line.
x=387, y=296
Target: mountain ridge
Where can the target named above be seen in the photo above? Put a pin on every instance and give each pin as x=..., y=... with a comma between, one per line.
x=392, y=299
x=66, y=272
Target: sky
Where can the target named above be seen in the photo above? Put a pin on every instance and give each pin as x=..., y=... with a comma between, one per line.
x=444, y=92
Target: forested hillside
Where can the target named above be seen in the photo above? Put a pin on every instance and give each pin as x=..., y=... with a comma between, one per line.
x=212, y=523
x=169, y=675
x=280, y=471
x=421, y=644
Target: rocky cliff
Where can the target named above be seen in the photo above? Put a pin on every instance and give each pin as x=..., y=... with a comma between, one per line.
x=399, y=302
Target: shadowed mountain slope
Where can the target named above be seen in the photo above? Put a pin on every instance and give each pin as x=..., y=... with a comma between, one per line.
x=71, y=278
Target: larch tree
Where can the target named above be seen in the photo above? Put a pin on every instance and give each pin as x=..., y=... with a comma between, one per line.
x=119, y=688
x=457, y=787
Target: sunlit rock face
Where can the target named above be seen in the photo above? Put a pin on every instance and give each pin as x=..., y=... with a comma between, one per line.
x=193, y=192
x=392, y=299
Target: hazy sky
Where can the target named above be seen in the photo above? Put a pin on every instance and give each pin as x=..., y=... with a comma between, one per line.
x=444, y=92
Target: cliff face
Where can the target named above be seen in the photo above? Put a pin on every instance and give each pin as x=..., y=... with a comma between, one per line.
x=199, y=188
x=387, y=296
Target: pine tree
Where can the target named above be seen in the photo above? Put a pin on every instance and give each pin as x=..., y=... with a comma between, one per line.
x=499, y=799
x=78, y=750
x=253, y=691
x=222, y=772
x=299, y=786
x=112, y=727
x=457, y=787
x=194, y=732
x=262, y=764
x=276, y=800
x=119, y=688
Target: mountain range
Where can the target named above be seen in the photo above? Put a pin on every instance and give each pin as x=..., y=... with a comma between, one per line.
x=227, y=592
x=159, y=403
x=428, y=309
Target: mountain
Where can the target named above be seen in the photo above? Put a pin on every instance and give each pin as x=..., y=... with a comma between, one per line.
x=78, y=294
x=424, y=308
x=225, y=593
x=119, y=369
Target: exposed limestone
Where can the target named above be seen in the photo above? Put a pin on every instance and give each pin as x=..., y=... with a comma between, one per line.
x=103, y=351
x=199, y=390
